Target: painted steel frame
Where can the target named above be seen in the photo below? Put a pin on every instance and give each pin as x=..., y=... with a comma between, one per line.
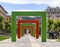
x=28, y=13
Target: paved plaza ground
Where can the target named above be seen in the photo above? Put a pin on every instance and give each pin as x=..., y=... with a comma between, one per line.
x=29, y=41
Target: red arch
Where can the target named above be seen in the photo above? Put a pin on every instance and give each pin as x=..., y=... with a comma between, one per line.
x=28, y=21
x=27, y=27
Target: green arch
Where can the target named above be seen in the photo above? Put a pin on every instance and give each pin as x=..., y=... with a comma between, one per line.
x=27, y=25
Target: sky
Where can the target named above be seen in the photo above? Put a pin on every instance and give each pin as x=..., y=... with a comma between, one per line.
x=11, y=5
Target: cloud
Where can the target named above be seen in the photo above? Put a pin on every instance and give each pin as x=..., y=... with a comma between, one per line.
x=21, y=1
x=53, y=3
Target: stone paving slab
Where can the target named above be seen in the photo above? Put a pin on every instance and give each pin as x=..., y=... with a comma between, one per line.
x=29, y=41
x=23, y=42
x=49, y=43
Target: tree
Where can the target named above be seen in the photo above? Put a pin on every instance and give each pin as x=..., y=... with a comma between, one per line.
x=50, y=28
x=55, y=24
x=1, y=18
x=7, y=28
x=50, y=23
x=56, y=27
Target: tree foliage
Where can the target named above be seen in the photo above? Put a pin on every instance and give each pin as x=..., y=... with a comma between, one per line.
x=50, y=23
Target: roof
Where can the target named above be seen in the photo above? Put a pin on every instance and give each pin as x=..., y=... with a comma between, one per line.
x=3, y=9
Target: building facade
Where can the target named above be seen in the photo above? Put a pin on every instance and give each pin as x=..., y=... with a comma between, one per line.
x=53, y=12
x=9, y=19
x=3, y=13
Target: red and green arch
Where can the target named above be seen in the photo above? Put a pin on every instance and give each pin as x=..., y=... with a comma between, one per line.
x=26, y=26
x=28, y=13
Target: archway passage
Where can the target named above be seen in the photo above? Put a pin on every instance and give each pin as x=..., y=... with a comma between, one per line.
x=29, y=26
x=28, y=13
x=28, y=21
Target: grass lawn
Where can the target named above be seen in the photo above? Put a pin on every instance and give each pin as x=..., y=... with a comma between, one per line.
x=3, y=37
x=58, y=40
